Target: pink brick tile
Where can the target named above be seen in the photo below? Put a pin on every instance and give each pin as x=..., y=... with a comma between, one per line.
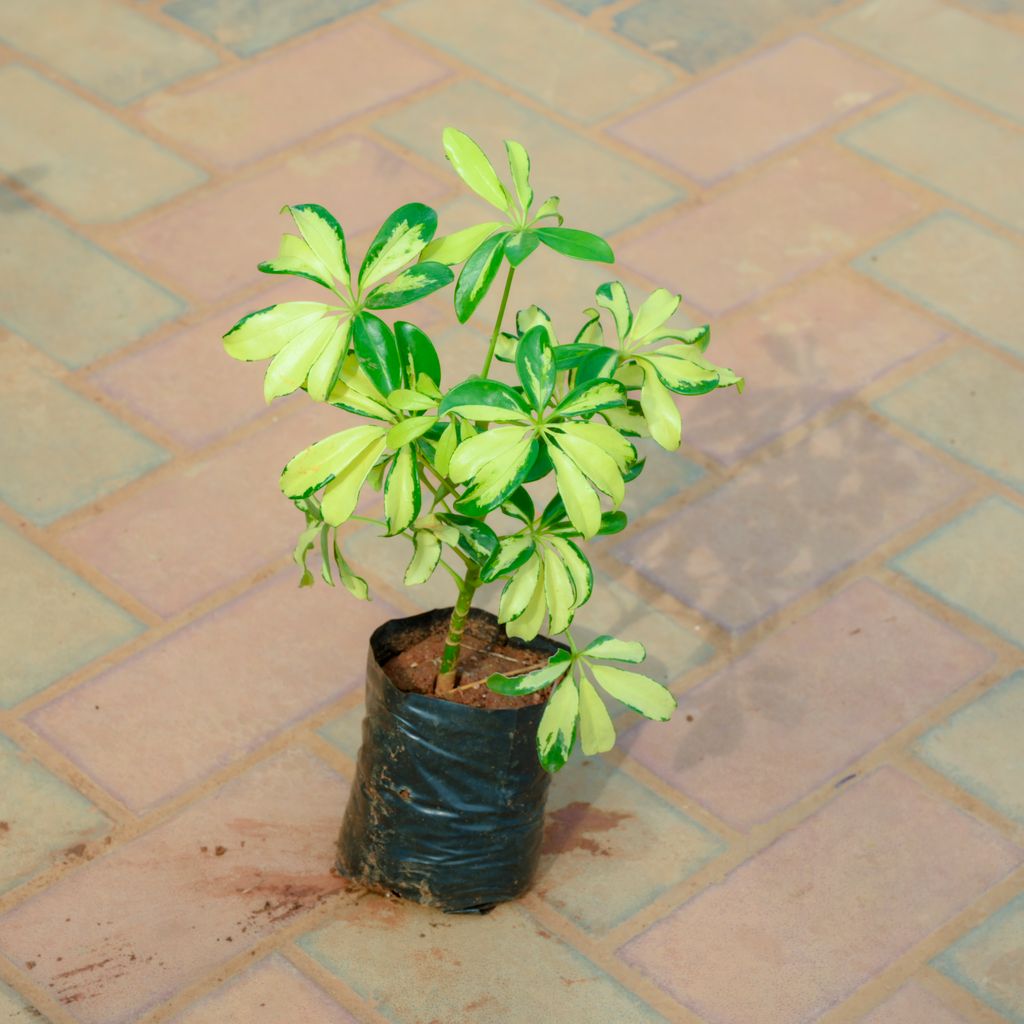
x=210, y=246
x=762, y=105
x=128, y=930
x=271, y=992
x=265, y=105
x=789, y=523
x=801, y=352
x=222, y=392
x=807, y=702
x=208, y=694
x=913, y=1004
x=794, y=216
x=816, y=914
x=199, y=527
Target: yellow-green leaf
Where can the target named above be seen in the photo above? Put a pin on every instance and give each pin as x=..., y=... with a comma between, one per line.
x=408, y=430
x=289, y=368
x=401, y=238
x=608, y=439
x=473, y=167
x=457, y=247
x=294, y=256
x=612, y=296
x=325, y=371
x=559, y=592
x=519, y=590
x=324, y=236
x=342, y=493
x=660, y=411
x=322, y=462
x=425, y=557
x=477, y=452
x=636, y=691
x=527, y=625
x=402, y=491
x=582, y=504
x=656, y=309
x=597, y=734
x=264, y=333
x=610, y=648
x=579, y=568
x=519, y=164
x=596, y=464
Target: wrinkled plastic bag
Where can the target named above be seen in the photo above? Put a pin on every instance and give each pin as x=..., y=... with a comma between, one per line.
x=447, y=807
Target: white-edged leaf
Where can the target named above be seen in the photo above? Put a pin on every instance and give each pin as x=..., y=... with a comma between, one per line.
x=637, y=691
x=264, y=333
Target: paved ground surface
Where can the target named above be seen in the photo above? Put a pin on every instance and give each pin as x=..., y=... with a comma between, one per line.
x=829, y=575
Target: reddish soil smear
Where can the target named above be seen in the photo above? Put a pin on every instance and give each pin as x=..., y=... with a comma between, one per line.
x=568, y=828
x=485, y=650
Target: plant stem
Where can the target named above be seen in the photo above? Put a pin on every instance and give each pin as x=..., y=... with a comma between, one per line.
x=497, y=323
x=447, y=671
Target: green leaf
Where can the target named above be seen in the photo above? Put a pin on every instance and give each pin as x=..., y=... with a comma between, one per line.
x=519, y=165
x=324, y=236
x=613, y=522
x=582, y=504
x=660, y=411
x=652, y=314
x=514, y=686
x=418, y=354
x=612, y=296
x=476, y=539
x=321, y=463
x=549, y=208
x=519, y=504
x=485, y=400
x=288, y=370
x=559, y=592
x=600, y=364
x=610, y=648
x=541, y=467
x=556, y=733
x=294, y=256
x=519, y=245
x=402, y=491
x=597, y=734
x=354, y=584
x=510, y=554
x=425, y=557
x=412, y=284
x=407, y=431
x=264, y=333
x=473, y=167
x=379, y=355
x=580, y=245
x=637, y=691
x=535, y=364
x=477, y=275
x=456, y=247
x=569, y=356
x=324, y=373
x=400, y=240
x=591, y=397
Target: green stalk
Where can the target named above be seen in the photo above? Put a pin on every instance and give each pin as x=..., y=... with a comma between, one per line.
x=497, y=323
x=447, y=672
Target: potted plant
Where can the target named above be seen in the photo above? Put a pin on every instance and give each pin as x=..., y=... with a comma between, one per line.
x=468, y=713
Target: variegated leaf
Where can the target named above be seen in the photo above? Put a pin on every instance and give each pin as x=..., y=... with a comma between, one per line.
x=519, y=165
x=531, y=682
x=556, y=733
x=412, y=284
x=264, y=333
x=324, y=236
x=597, y=734
x=472, y=166
x=402, y=490
x=401, y=238
x=457, y=247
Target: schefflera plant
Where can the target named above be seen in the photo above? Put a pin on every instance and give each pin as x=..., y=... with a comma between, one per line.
x=450, y=456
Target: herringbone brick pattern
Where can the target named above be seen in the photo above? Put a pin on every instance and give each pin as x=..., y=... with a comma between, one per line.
x=829, y=575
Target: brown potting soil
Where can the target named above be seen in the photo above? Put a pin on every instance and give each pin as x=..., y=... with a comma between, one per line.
x=485, y=650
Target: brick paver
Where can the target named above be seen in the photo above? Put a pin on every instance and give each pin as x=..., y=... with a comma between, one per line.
x=827, y=574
